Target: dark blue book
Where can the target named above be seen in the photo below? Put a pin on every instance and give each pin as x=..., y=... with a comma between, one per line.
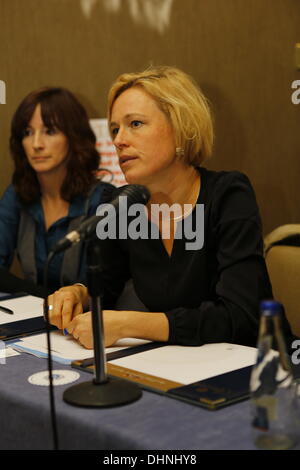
x=218, y=391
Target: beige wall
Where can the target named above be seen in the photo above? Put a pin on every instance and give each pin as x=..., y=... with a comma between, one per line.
x=239, y=51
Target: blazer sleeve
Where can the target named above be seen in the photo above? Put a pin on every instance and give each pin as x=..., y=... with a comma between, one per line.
x=241, y=278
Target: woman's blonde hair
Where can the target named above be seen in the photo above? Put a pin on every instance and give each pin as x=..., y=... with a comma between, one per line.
x=184, y=104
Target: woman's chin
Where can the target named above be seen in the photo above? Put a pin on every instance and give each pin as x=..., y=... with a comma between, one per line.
x=132, y=177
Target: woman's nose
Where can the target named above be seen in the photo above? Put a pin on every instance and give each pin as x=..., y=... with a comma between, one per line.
x=37, y=141
x=121, y=139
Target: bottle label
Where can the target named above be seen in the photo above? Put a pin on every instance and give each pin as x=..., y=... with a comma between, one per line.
x=267, y=376
x=266, y=411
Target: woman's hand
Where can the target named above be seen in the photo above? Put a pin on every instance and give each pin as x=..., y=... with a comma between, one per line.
x=119, y=324
x=65, y=304
x=81, y=328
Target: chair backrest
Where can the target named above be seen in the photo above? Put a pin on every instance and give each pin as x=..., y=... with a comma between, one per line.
x=288, y=234
x=283, y=263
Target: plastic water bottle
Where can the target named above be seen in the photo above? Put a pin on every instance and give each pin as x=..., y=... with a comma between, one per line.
x=271, y=384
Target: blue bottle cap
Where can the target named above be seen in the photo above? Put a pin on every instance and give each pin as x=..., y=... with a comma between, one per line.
x=270, y=307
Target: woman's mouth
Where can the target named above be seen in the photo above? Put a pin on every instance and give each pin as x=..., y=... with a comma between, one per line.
x=40, y=158
x=126, y=159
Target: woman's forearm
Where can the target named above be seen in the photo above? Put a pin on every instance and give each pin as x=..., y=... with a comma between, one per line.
x=146, y=325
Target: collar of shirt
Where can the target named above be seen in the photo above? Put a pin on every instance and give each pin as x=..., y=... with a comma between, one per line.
x=76, y=209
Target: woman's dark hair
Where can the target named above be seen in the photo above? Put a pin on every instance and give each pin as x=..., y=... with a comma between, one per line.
x=61, y=110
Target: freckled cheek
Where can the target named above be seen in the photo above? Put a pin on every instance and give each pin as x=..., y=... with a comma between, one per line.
x=165, y=151
x=165, y=143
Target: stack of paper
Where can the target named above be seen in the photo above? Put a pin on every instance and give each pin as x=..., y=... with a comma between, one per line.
x=186, y=364
x=65, y=349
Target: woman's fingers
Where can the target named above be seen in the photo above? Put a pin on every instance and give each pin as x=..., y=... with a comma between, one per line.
x=54, y=310
x=70, y=310
x=49, y=306
x=81, y=329
x=64, y=305
x=67, y=307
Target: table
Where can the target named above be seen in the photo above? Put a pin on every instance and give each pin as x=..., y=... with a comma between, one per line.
x=153, y=422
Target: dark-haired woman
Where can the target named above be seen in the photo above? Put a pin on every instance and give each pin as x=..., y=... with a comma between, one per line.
x=54, y=185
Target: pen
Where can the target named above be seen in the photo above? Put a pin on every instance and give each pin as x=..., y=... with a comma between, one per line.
x=6, y=310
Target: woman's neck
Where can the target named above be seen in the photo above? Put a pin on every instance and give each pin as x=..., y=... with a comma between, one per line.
x=181, y=188
x=50, y=185
x=54, y=206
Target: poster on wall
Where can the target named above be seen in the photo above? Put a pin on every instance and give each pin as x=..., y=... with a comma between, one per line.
x=109, y=169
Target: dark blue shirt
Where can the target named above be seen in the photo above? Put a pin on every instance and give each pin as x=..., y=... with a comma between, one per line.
x=10, y=211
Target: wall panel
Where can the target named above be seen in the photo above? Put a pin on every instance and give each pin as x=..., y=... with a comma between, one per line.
x=240, y=52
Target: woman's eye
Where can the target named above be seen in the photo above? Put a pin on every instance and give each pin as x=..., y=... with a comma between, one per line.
x=114, y=131
x=27, y=132
x=50, y=131
x=136, y=123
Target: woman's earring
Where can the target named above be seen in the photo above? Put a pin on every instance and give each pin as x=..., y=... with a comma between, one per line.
x=179, y=152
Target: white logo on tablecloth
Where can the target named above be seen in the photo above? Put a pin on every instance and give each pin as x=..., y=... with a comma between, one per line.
x=59, y=377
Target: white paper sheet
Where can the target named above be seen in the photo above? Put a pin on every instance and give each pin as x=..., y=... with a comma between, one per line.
x=189, y=364
x=8, y=352
x=65, y=349
x=23, y=308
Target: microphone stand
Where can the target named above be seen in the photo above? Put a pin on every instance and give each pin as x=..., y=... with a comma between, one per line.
x=102, y=391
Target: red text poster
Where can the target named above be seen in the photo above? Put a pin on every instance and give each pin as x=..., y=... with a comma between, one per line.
x=109, y=166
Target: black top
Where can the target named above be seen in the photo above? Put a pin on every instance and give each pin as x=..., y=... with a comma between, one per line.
x=210, y=294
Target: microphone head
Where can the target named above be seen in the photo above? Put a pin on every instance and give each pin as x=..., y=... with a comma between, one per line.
x=136, y=193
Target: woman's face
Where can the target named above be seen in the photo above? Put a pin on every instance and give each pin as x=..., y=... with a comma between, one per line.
x=143, y=137
x=46, y=149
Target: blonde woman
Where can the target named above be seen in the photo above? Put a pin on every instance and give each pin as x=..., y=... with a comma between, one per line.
x=161, y=126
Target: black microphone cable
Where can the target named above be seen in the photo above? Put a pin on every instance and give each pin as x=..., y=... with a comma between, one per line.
x=50, y=364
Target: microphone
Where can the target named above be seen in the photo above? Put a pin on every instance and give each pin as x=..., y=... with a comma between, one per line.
x=134, y=194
